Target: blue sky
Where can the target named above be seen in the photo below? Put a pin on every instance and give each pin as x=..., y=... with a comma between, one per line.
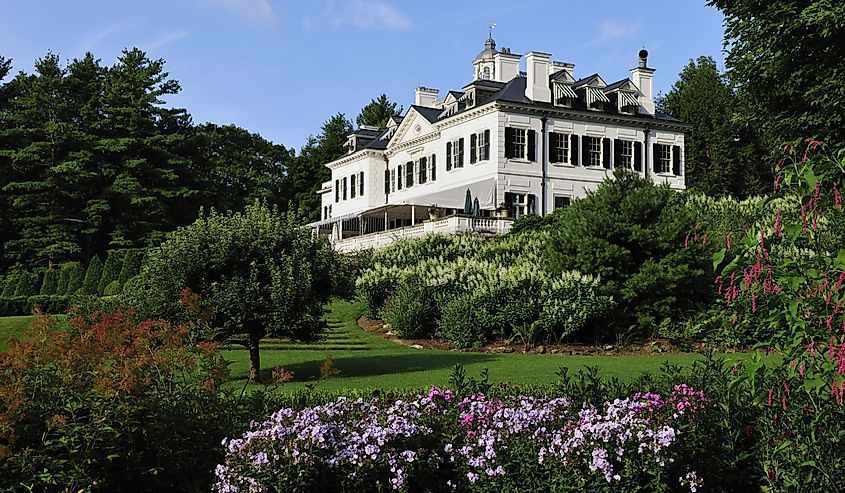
x=282, y=67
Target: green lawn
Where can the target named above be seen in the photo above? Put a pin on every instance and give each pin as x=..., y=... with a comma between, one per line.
x=13, y=328
x=368, y=361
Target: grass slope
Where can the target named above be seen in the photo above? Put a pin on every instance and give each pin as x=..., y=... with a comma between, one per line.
x=13, y=328
x=368, y=361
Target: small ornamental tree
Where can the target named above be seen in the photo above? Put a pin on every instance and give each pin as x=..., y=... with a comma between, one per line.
x=131, y=264
x=111, y=269
x=70, y=278
x=257, y=272
x=49, y=284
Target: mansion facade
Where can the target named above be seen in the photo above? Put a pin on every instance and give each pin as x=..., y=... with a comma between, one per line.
x=511, y=142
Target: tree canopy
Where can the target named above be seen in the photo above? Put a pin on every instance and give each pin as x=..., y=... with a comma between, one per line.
x=378, y=112
x=787, y=59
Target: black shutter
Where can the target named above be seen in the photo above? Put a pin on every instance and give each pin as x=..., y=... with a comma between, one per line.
x=460, y=163
x=386, y=181
x=605, y=152
x=448, y=156
x=574, y=149
x=510, y=135
x=337, y=190
x=532, y=145
x=585, y=151
x=409, y=174
x=554, y=143
x=423, y=171
x=617, y=152
x=655, y=158
x=399, y=177
x=433, y=167
x=486, y=149
x=676, y=160
x=361, y=183
x=638, y=157
x=473, y=148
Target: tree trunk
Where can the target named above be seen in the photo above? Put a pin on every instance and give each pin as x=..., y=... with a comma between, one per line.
x=254, y=359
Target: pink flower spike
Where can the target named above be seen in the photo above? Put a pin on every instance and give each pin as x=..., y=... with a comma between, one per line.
x=777, y=182
x=728, y=241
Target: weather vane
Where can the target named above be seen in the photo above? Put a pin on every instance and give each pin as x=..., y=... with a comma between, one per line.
x=492, y=26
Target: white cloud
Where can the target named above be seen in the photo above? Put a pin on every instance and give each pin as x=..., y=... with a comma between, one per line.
x=257, y=11
x=165, y=40
x=612, y=30
x=367, y=14
x=91, y=41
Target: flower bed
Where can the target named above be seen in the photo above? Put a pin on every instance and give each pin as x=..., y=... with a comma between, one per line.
x=442, y=442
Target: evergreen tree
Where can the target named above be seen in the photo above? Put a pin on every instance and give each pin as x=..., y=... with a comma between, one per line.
x=722, y=158
x=787, y=59
x=111, y=269
x=378, y=112
x=308, y=171
x=50, y=282
x=90, y=284
x=131, y=264
x=75, y=274
x=28, y=284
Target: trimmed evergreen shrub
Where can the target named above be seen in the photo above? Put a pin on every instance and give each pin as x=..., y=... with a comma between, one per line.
x=131, y=265
x=50, y=282
x=113, y=288
x=92, y=276
x=111, y=269
x=54, y=304
x=28, y=284
x=11, y=282
x=13, y=306
x=74, y=273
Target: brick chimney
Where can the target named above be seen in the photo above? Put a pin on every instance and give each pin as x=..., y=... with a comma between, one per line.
x=642, y=77
x=424, y=96
x=537, y=69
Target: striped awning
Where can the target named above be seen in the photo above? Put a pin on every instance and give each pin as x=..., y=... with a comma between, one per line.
x=595, y=95
x=628, y=99
x=564, y=91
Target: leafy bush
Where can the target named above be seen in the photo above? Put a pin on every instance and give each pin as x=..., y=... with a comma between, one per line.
x=108, y=404
x=50, y=282
x=631, y=233
x=410, y=311
x=10, y=283
x=48, y=303
x=461, y=323
x=113, y=288
x=90, y=284
x=12, y=306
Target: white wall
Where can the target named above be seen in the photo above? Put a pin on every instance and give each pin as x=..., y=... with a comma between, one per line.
x=373, y=168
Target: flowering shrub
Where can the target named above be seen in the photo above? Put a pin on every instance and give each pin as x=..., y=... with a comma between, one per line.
x=440, y=441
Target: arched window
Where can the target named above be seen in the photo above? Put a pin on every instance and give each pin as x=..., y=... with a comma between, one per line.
x=486, y=73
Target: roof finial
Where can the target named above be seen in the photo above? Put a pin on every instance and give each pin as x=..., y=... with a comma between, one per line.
x=491, y=27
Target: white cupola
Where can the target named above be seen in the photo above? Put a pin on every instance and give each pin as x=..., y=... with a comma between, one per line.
x=484, y=65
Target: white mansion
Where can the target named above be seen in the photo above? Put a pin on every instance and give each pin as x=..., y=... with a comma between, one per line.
x=509, y=143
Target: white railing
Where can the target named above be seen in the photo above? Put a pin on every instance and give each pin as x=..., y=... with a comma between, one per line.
x=448, y=225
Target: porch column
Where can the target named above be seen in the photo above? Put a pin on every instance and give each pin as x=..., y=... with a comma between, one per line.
x=413, y=215
x=340, y=230
x=385, y=219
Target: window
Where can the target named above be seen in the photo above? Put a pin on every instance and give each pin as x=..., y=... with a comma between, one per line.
x=399, y=177
x=433, y=164
x=361, y=183
x=662, y=158
x=455, y=154
x=559, y=148
x=409, y=174
x=479, y=147
x=561, y=201
x=393, y=180
x=592, y=146
x=520, y=143
x=337, y=190
x=624, y=154
x=521, y=203
x=422, y=170
x=343, y=188
x=353, y=188
x=485, y=74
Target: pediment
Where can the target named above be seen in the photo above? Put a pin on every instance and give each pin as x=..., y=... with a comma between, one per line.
x=413, y=126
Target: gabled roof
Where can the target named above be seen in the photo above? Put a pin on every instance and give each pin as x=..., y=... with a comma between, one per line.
x=562, y=76
x=594, y=80
x=624, y=84
x=430, y=114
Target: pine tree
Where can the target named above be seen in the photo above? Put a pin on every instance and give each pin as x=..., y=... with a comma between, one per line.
x=378, y=112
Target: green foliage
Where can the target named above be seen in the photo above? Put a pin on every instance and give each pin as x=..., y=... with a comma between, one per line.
x=723, y=157
x=111, y=269
x=494, y=276
x=787, y=59
x=630, y=232
x=71, y=277
x=11, y=306
x=131, y=264
x=257, y=273
x=11, y=283
x=113, y=288
x=378, y=112
x=410, y=311
x=50, y=282
x=90, y=285
x=28, y=284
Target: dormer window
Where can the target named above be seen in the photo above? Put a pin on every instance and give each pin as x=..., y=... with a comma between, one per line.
x=564, y=94
x=627, y=102
x=596, y=98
